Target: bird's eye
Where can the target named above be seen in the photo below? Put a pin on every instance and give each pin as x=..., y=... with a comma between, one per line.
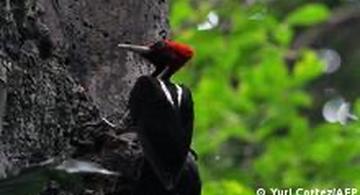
x=158, y=45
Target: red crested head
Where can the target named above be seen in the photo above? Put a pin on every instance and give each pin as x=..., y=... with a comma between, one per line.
x=180, y=49
x=164, y=54
x=167, y=53
x=170, y=54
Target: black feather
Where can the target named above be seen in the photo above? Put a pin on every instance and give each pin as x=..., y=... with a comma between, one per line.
x=165, y=130
x=189, y=182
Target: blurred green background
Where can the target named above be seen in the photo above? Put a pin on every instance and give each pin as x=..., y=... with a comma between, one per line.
x=262, y=73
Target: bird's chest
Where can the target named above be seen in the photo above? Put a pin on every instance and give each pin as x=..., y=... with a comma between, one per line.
x=172, y=92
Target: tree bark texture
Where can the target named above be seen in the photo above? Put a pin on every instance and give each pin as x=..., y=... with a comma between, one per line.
x=61, y=73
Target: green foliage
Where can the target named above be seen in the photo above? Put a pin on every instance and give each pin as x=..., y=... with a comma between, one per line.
x=250, y=127
x=226, y=187
x=309, y=15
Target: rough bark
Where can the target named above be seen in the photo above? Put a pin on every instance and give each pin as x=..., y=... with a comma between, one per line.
x=61, y=73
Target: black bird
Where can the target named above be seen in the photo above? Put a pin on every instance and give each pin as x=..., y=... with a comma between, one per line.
x=164, y=113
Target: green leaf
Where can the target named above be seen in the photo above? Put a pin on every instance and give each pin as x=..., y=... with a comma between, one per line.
x=309, y=15
x=181, y=13
x=283, y=34
x=308, y=68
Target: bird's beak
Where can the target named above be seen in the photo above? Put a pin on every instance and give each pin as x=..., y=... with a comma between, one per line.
x=135, y=48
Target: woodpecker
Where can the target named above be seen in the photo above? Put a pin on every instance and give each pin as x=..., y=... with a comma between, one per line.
x=164, y=114
x=167, y=56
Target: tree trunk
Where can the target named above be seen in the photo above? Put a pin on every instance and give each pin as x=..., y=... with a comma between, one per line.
x=61, y=73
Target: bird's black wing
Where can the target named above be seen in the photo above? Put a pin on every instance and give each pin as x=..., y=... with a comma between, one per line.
x=186, y=109
x=160, y=129
x=149, y=183
x=190, y=181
